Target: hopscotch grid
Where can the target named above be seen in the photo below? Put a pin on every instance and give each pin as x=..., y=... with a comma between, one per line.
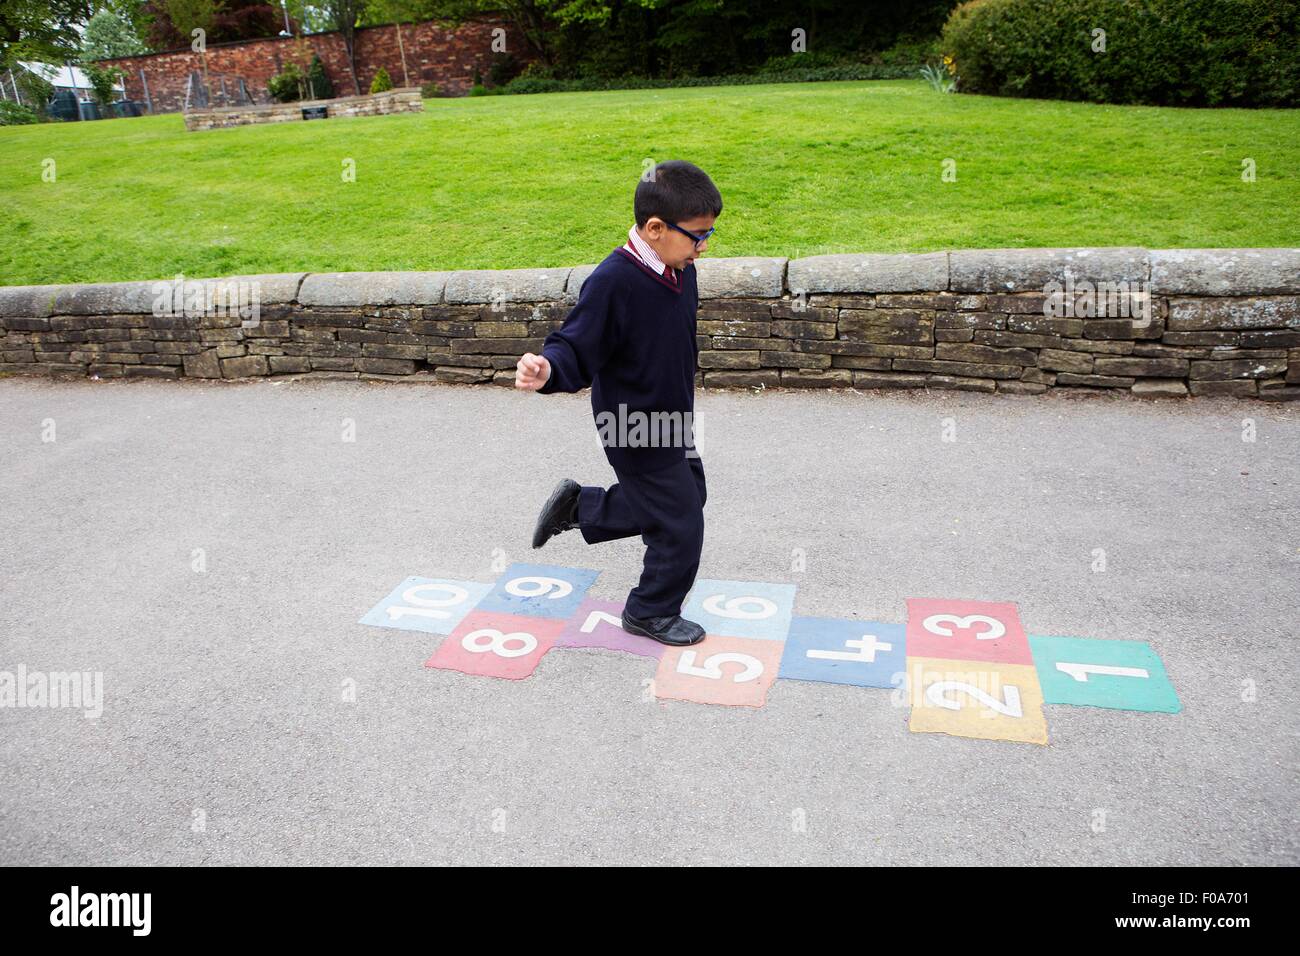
x=1009, y=672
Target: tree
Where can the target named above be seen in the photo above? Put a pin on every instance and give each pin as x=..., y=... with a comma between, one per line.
x=108, y=35
x=223, y=21
x=345, y=15
x=41, y=30
x=101, y=80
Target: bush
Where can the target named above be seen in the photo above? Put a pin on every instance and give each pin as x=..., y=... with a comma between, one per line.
x=381, y=83
x=1159, y=52
x=318, y=80
x=13, y=114
x=504, y=68
x=478, y=89
x=289, y=84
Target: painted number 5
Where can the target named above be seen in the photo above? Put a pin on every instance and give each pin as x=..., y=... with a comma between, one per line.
x=751, y=667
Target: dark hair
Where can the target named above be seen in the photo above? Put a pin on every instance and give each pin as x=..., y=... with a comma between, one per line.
x=676, y=191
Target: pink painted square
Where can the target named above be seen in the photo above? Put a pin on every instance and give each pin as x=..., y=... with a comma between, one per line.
x=966, y=631
x=598, y=624
x=492, y=644
x=730, y=671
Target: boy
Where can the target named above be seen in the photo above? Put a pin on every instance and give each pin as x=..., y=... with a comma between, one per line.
x=631, y=337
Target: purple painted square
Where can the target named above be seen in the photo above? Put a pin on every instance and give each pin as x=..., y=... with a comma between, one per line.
x=587, y=627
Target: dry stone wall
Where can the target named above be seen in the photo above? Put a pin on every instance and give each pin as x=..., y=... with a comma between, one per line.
x=1148, y=322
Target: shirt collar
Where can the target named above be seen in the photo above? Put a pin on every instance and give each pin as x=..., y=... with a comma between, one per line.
x=642, y=250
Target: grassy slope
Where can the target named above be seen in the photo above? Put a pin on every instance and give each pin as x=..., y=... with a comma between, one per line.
x=518, y=181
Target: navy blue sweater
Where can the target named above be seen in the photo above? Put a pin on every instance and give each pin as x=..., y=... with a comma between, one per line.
x=631, y=337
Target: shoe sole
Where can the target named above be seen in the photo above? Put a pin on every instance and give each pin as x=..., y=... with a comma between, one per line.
x=642, y=632
x=539, y=535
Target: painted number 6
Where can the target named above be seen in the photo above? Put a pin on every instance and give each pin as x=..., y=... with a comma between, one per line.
x=734, y=608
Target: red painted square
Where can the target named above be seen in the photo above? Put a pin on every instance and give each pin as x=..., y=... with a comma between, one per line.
x=731, y=671
x=966, y=631
x=492, y=644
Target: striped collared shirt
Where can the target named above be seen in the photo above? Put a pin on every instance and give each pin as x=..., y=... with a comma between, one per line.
x=642, y=250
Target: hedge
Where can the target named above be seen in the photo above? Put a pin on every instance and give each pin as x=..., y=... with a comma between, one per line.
x=1159, y=52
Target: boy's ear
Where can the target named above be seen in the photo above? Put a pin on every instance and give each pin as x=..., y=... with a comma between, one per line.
x=654, y=227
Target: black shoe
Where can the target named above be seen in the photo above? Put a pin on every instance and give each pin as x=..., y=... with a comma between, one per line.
x=674, y=629
x=560, y=513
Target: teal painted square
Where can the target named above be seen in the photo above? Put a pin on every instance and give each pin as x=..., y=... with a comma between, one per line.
x=427, y=605
x=863, y=653
x=539, y=590
x=741, y=608
x=1062, y=661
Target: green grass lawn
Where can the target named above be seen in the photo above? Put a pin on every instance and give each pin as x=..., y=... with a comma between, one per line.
x=497, y=182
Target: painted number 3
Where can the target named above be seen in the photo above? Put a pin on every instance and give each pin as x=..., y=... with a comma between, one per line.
x=935, y=624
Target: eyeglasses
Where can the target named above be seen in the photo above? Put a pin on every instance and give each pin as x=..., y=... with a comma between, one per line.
x=693, y=236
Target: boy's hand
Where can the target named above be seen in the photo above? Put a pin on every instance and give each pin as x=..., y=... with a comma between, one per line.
x=532, y=372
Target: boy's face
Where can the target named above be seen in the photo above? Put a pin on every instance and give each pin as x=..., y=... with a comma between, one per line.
x=671, y=246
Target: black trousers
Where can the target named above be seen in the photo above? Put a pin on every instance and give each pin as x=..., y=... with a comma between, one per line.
x=665, y=507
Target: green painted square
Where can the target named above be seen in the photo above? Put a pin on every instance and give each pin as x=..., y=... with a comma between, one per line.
x=1086, y=672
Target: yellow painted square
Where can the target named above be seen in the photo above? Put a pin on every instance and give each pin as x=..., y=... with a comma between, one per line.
x=1008, y=705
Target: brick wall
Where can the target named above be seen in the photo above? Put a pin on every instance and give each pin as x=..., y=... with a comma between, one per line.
x=1220, y=322
x=434, y=53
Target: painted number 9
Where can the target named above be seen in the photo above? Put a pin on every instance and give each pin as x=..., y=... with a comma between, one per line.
x=538, y=587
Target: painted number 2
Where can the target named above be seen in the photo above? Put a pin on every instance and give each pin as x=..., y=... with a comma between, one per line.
x=1009, y=706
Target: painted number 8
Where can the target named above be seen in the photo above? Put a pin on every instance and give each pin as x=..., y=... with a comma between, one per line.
x=497, y=642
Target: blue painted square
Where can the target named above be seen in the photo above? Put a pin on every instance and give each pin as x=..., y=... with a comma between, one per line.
x=429, y=605
x=741, y=608
x=865, y=653
x=539, y=590
x=1086, y=672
